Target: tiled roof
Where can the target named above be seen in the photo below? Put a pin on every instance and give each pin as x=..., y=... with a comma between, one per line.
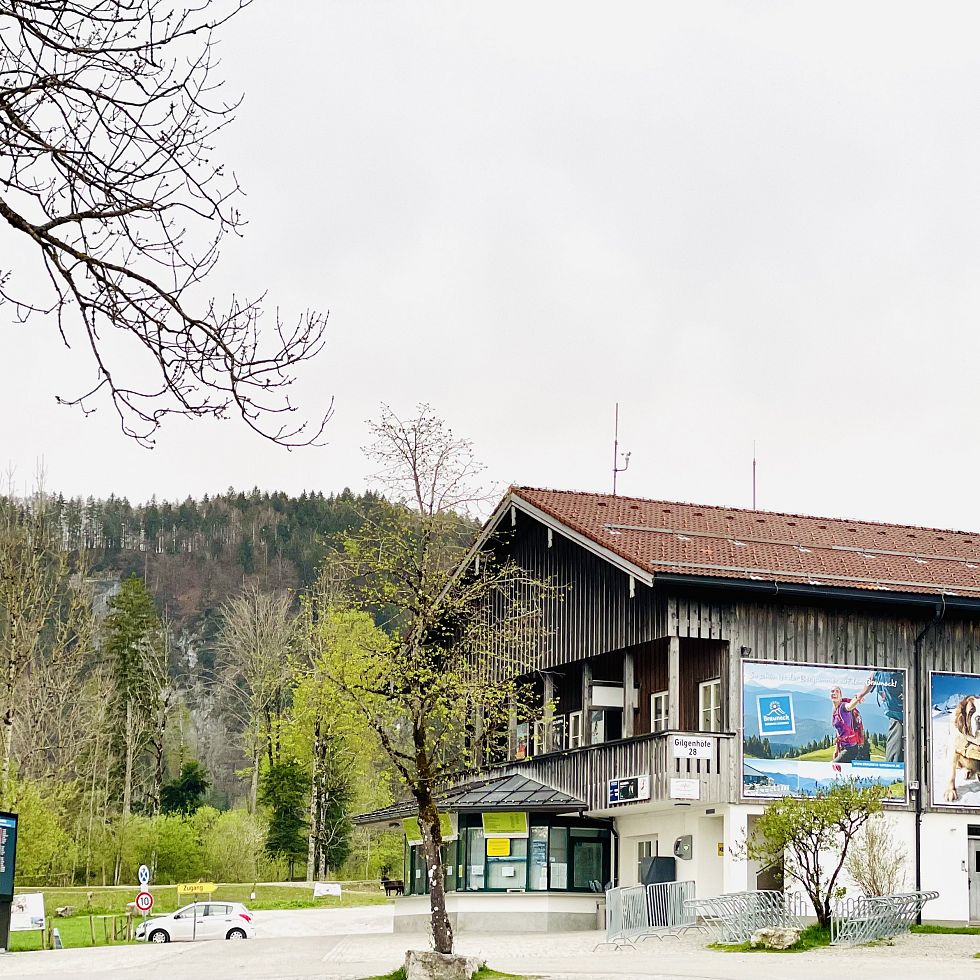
x=503, y=793
x=665, y=537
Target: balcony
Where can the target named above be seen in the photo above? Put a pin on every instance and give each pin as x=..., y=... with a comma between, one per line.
x=585, y=772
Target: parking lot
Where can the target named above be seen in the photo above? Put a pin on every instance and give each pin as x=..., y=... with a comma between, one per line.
x=349, y=944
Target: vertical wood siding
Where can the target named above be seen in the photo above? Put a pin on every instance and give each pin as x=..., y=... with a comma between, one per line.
x=651, y=677
x=586, y=772
x=701, y=660
x=595, y=613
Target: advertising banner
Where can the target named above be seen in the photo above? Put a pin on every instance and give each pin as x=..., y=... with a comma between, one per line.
x=8, y=853
x=954, y=739
x=807, y=726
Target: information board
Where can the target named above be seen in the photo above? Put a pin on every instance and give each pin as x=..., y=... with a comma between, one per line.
x=27, y=913
x=414, y=834
x=505, y=823
x=8, y=853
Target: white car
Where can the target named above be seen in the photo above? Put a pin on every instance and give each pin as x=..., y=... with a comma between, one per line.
x=201, y=920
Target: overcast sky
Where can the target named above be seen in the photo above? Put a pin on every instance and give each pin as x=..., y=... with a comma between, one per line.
x=740, y=220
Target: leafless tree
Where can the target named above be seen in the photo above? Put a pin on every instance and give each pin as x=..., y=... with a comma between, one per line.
x=255, y=667
x=108, y=179
x=32, y=574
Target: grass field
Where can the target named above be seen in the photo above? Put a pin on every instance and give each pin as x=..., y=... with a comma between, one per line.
x=827, y=755
x=810, y=938
x=76, y=930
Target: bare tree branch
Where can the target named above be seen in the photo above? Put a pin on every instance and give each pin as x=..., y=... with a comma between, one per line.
x=108, y=115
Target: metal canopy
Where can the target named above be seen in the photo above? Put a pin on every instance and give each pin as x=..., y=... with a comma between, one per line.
x=504, y=793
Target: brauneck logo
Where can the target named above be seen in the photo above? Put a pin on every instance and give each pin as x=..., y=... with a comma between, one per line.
x=776, y=714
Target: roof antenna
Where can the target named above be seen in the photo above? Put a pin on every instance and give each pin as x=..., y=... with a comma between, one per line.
x=626, y=456
x=753, y=474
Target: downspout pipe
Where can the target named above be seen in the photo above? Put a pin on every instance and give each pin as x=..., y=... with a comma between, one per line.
x=921, y=696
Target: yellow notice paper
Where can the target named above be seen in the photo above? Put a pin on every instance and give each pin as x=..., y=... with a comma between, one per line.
x=498, y=847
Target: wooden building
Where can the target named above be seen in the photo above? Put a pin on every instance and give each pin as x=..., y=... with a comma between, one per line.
x=690, y=664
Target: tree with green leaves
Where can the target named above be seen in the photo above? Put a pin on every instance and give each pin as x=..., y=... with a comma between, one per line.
x=282, y=789
x=133, y=646
x=461, y=626
x=333, y=738
x=185, y=793
x=809, y=838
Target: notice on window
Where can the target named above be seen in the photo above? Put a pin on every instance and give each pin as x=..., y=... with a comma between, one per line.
x=504, y=823
x=559, y=875
x=410, y=825
x=498, y=847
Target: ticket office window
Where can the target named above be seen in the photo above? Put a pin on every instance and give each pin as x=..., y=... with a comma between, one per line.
x=555, y=857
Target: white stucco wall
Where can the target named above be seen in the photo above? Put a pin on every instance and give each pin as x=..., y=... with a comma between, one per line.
x=944, y=852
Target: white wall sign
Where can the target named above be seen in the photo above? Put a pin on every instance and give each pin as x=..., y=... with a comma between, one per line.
x=607, y=696
x=628, y=789
x=685, y=789
x=321, y=888
x=692, y=746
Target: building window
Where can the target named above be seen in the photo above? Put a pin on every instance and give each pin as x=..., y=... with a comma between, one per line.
x=658, y=712
x=709, y=699
x=540, y=732
x=559, y=734
x=575, y=729
x=598, y=727
x=520, y=741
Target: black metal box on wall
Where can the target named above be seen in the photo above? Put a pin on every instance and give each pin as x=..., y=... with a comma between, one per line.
x=655, y=870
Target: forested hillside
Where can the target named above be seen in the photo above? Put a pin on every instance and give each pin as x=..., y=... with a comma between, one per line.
x=278, y=537
x=172, y=669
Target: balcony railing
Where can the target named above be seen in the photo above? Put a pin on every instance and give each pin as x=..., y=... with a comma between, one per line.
x=585, y=772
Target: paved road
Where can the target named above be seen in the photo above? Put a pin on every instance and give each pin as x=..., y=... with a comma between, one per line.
x=349, y=944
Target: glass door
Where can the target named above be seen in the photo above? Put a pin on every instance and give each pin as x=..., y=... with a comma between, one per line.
x=476, y=859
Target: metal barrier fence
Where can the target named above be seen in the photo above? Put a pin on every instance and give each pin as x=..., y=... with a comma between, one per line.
x=733, y=918
x=863, y=920
x=668, y=911
x=641, y=912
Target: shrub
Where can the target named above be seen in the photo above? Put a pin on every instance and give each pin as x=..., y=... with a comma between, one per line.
x=876, y=860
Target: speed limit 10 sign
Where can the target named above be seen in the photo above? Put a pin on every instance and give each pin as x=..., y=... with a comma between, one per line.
x=144, y=901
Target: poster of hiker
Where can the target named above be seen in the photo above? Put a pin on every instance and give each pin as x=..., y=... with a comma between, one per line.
x=806, y=726
x=954, y=739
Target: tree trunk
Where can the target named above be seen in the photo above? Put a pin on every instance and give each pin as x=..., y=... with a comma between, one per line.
x=128, y=777
x=158, y=753
x=442, y=930
x=7, y=734
x=253, y=792
x=311, y=850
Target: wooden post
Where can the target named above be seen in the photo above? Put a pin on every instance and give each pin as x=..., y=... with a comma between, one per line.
x=91, y=925
x=548, y=715
x=629, y=694
x=586, y=702
x=674, y=683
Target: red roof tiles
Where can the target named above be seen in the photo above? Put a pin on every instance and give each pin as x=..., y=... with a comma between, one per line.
x=665, y=537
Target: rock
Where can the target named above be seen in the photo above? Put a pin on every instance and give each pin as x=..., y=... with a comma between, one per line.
x=774, y=938
x=428, y=965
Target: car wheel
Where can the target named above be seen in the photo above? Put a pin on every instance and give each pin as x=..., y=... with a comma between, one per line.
x=159, y=936
x=235, y=934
